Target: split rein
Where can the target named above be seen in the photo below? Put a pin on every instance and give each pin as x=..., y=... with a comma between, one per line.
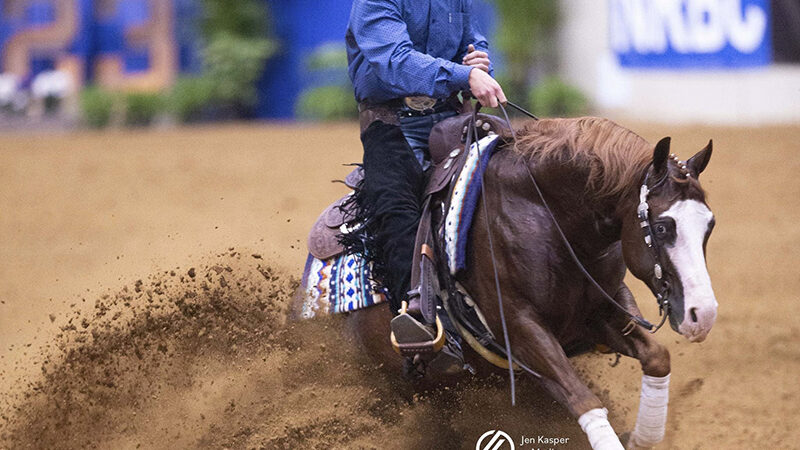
x=645, y=223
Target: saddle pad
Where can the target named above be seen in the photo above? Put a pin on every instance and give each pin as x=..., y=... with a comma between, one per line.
x=338, y=285
x=463, y=201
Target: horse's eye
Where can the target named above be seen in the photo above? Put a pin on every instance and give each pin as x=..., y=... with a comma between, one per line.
x=661, y=229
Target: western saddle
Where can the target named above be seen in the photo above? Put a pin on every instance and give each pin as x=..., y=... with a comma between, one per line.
x=447, y=147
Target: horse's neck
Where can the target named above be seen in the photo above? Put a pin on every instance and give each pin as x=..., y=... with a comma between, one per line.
x=595, y=224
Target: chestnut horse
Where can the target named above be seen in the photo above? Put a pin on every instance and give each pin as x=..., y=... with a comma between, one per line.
x=591, y=172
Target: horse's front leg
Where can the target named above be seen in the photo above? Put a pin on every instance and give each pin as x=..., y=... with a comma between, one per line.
x=652, y=417
x=543, y=352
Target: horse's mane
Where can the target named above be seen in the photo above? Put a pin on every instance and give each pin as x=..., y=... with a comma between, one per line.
x=614, y=156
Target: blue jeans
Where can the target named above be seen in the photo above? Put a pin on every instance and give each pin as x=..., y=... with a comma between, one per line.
x=417, y=130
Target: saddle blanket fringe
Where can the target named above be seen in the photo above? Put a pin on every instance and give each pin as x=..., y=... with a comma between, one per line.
x=464, y=200
x=338, y=285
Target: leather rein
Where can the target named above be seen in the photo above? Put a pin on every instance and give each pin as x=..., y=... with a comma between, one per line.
x=645, y=222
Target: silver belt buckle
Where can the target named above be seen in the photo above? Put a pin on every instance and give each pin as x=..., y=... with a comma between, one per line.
x=420, y=103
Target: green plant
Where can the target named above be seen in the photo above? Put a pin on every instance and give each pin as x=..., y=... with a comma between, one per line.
x=236, y=50
x=333, y=100
x=243, y=18
x=329, y=56
x=142, y=107
x=327, y=103
x=234, y=64
x=190, y=96
x=555, y=98
x=525, y=36
x=97, y=105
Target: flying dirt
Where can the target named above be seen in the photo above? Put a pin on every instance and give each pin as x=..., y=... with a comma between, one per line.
x=204, y=357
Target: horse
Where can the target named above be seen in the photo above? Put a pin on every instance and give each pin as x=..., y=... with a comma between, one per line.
x=616, y=202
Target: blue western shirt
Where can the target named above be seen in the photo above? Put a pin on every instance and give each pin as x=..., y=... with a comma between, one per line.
x=398, y=48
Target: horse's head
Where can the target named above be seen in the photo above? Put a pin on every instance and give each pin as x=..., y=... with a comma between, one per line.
x=664, y=245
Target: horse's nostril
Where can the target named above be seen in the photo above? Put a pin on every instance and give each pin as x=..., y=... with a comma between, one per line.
x=693, y=314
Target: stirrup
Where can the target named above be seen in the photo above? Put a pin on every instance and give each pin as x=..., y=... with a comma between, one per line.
x=415, y=348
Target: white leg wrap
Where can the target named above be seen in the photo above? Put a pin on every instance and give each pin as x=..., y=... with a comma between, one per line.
x=652, y=418
x=601, y=436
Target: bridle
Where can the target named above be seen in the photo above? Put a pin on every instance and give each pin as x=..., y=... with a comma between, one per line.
x=645, y=222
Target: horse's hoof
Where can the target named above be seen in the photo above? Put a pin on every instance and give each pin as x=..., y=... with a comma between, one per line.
x=628, y=443
x=449, y=360
x=446, y=363
x=413, y=369
x=625, y=438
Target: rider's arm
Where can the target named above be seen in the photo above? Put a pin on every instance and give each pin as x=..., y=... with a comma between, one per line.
x=382, y=37
x=472, y=35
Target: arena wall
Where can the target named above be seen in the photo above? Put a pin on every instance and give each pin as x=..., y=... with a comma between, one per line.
x=691, y=85
x=145, y=45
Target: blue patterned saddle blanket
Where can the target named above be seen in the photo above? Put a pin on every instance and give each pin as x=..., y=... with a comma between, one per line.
x=464, y=200
x=339, y=284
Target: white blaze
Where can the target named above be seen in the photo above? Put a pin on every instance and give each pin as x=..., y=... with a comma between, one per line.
x=691, y=221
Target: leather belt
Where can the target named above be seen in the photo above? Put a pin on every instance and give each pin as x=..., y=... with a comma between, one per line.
x=368, y=113
x=391, y=111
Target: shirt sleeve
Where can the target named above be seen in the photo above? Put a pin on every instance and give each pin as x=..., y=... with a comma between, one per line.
x=382, y=36
x=472, y=35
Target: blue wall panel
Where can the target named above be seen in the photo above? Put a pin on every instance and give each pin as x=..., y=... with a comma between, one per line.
x=690, y=34
x=300, y=25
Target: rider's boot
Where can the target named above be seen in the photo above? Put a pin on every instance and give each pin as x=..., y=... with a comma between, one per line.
x=408, y=328
x=450, y=359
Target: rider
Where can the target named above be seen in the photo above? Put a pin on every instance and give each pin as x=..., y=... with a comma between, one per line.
x=408, y=61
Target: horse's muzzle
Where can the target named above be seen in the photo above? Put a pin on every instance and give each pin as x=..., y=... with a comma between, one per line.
x=698, y=319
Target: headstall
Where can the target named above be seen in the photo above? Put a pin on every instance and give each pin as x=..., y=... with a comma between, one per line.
x=645, y=222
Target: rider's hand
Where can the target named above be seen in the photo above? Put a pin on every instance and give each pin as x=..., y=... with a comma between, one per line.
x=477, y=59
x=485, y=88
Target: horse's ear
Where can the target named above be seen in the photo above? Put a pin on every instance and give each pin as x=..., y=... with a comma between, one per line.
x=698, y=162
x=660, y=157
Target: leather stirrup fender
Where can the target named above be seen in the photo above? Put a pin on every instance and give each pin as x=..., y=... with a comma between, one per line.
x=423, y=271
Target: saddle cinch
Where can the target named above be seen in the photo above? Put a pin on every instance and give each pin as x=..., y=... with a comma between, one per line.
x=448, y=154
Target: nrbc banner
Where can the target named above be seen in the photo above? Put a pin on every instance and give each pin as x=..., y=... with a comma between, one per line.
x=679, y=34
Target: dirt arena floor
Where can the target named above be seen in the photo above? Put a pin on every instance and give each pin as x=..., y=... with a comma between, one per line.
x=144, y=277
